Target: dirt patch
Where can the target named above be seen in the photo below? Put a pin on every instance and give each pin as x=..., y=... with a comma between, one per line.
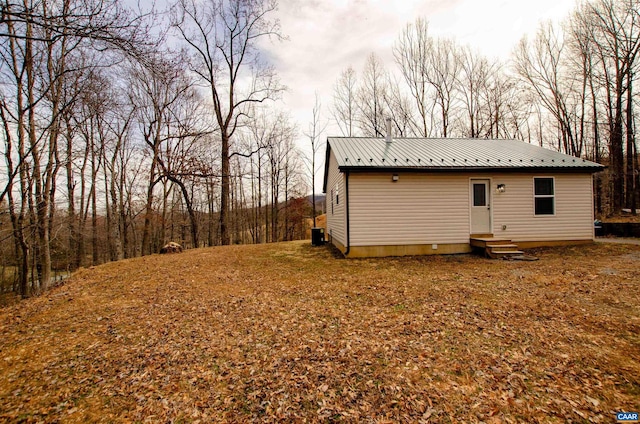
x=290, y=333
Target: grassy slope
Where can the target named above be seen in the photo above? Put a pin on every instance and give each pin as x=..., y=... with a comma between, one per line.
x=288, y=332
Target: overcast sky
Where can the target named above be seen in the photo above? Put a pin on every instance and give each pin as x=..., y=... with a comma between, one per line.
x=326, y=36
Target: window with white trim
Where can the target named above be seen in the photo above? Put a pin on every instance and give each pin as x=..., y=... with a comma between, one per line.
x=544, y=196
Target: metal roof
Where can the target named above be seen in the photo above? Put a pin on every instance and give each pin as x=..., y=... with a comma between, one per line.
x=449, y=153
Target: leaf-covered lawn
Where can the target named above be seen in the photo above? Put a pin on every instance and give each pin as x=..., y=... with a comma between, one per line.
x=291, y=333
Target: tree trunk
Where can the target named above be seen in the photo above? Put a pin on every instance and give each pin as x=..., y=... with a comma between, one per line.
x=615, y=151
x=224, y=198
x=259, y=214
x=94, y=217
x=211, y=204
x=145, y=248
x=313, y=183
x=630, y=177
x=192, y=214
x=39, y=213
x=596, y=148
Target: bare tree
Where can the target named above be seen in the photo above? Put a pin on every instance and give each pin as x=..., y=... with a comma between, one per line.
x=345, y=107
x=261, y=134
x=582, y=43
x=277, y=153
x=400, y=109
x=70, y=100
x=473, y=81
x=371, y=97
x=543, y=66
x=222, y=37
x=40, y=46
x=614, y=27
x=412, y=52
x=161, y=90
x=443, y=67
x=116, y=160
x=316, y=128
x=506, y=109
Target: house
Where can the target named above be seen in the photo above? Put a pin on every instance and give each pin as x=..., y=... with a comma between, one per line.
x=416, y=196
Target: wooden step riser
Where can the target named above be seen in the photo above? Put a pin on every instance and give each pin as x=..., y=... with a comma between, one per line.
x=495, y=247
x=484, y=243
x=503, y=254
x=502, y=247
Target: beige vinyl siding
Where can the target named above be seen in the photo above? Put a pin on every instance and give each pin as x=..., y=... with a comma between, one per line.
x=336, y=218
x=434, y=208
x=573, y=218
x=417, y=209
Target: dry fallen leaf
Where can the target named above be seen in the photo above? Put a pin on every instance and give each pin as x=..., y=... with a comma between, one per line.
x=290, y=333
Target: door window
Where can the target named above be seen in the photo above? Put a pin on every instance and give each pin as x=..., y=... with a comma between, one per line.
x=479, y=194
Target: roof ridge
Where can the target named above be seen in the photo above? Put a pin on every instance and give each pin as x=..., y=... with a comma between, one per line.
x=430, y=138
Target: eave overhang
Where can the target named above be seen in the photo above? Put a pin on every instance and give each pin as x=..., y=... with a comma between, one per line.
x=474, y=169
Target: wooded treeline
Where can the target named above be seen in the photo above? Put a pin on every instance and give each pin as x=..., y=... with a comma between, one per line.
x=572, y=88
x=114, y=144
x=123, y=129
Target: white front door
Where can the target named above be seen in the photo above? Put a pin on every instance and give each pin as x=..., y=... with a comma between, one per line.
x=480, y=207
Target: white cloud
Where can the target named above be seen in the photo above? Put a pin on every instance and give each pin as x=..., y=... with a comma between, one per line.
x=495, y=26
x=327, y=36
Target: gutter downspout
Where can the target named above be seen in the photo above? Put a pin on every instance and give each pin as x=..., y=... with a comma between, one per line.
x=346, y=206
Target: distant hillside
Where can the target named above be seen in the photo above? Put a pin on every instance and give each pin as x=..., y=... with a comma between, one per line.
x=321, y=202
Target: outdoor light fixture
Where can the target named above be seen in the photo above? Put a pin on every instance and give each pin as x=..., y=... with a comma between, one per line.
x=395, y=177
x=501, y=188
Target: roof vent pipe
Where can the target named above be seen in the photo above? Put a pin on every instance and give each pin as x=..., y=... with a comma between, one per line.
x=389, y=138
